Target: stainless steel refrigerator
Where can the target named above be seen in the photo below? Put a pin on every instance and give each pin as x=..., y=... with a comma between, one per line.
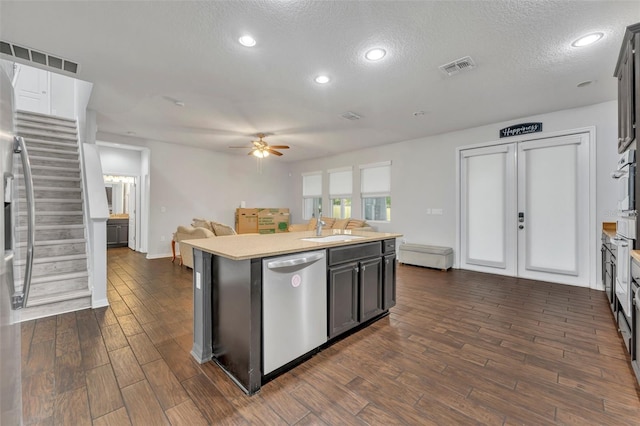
x=12, y=297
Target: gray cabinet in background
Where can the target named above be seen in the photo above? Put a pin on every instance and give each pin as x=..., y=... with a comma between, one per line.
x=117, y=232
x=628, y=74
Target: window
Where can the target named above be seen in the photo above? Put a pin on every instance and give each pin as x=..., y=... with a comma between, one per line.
x=311, y=195
x=375, y=189
x=340, y=188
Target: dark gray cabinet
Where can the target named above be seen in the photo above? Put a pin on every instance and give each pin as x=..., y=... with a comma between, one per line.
x=343, y=298
x=370, y=288
x=117, y=232
x=628, y=74
x=389, y=281
x=361, y=284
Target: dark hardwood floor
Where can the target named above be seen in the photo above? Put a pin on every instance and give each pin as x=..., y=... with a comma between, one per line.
x=459, y=348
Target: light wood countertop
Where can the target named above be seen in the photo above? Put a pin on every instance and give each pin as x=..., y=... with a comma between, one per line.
x=635, y=255
x=252, y=246
x=609, y=229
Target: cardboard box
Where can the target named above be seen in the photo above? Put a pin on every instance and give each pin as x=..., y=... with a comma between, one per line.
x=273, y=220
x=246, y=221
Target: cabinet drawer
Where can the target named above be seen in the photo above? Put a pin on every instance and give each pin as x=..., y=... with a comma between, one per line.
x=389, y=246
x=355, y=252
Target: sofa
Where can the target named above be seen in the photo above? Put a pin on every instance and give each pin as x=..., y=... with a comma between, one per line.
x=332, y=223
x=199, y=228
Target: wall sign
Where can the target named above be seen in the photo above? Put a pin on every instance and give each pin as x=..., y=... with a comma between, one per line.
x=520, y=129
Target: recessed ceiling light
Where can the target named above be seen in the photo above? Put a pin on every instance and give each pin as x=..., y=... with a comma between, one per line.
x=179, y=103
x=247, y=41
x=585, y=83
x=322, y=79
x=375, y=54
x=587, y=40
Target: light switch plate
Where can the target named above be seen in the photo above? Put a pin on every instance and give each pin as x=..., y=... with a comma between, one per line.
x=436, y=211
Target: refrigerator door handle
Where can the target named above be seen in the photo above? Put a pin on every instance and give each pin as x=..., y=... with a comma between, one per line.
x=19, y=300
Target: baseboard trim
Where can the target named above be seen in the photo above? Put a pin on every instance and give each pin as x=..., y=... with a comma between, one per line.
x=100, y=303
x=158, y=256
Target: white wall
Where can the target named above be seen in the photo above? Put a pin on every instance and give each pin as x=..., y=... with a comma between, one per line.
x=423, y=173
x=190, y=182
x=63, y=93
x=117, y=161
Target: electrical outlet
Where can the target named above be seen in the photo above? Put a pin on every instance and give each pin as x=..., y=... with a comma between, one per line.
x=428, y=211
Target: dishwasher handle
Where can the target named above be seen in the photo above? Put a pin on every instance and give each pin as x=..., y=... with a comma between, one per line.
x=276, y=264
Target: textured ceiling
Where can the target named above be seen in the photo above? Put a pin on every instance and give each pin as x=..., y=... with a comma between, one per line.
x=141, y=56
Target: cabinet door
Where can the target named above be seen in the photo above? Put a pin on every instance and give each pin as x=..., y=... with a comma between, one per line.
x=626, y=98
x=343, y=298
x=112, y=235
x=370, y=281
x=123, y=234
x=389, y=282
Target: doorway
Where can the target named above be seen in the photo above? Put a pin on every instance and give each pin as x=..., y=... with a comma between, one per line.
x=525, y=208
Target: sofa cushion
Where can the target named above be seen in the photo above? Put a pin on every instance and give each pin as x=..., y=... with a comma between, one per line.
x=313, y=222
x=201, y=223
x=221, y=229
x=340, y=223
x=355, y=223
x=192, y=233
x=328, y=222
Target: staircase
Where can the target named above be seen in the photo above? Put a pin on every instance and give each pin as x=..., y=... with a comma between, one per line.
x=60, y=279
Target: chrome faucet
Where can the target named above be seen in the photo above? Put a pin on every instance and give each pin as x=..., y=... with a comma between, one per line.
x=319, y=226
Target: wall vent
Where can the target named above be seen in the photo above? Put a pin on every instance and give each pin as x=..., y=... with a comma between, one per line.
x=38, y=57
x=462, y=64
x=350, y=116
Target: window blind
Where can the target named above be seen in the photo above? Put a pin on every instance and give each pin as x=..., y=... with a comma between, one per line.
x=312, y=185
x=340, y=183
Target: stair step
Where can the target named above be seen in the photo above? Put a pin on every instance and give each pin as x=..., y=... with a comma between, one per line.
x=38, y=171
x=53, y=218
x=44, y=205
x=24, y=126
x=60, y=248
x=48, y=180
x=49, y=192
x=23, y=244
x=52, y=232
x=43, y=143
x=63, y=303
x=53, y=161
x=36, y=116
x=44, y=269
x=47, y=135
x=52, y=153
x=53, y=259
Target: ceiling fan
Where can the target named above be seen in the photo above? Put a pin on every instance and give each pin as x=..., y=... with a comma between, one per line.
x=261, y=149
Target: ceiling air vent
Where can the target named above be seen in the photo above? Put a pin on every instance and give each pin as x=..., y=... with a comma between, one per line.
x=350, y=116
x=41, y=58
x=462, y=64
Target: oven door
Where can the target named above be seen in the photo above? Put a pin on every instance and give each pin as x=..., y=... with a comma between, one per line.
x=626, y=187
x=623, y=274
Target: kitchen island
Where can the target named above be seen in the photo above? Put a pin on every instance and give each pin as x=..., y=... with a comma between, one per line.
x=229, y=291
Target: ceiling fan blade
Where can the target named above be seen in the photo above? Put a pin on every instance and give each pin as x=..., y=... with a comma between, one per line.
x=243, y=147
x=279, y=146
x=273, y=152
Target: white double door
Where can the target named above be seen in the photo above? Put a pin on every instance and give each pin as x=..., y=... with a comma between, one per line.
x=524, y=209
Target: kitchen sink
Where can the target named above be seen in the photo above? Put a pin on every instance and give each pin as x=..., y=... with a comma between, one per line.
x=332, y=238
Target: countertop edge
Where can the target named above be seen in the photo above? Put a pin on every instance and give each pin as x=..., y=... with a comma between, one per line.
x=234, y=247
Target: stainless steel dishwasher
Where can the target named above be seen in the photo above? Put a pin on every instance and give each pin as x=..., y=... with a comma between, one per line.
x=294, y=307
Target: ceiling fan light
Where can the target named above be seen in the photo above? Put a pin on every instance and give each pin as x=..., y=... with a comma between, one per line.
x=587, y=40
x=375, y=54
x=260, y=153
x=247, y=41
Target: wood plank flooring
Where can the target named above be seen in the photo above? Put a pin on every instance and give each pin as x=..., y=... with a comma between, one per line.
x=459, y=348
